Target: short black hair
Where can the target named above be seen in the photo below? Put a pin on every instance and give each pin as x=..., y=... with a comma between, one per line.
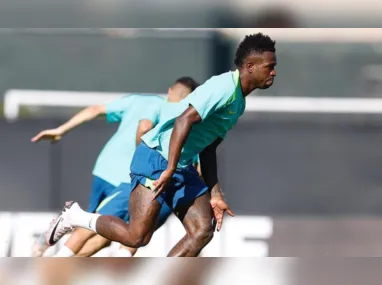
x=256, y=43
x=188, y=82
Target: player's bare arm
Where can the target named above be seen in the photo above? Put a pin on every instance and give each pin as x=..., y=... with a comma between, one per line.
x=209, y=167
x=87, y=114
x=182, y=128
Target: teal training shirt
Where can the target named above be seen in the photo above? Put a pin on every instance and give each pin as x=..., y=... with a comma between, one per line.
x=113, y=163
x=219, y=102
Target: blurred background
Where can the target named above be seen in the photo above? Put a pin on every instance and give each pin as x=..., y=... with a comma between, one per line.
x=301, y=170
x=190, y=14
x=188, y=271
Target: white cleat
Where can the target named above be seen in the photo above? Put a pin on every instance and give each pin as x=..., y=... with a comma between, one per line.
x=61, y=225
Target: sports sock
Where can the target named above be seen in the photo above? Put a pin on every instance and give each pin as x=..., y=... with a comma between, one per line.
x=83, y=219
x=64, y=252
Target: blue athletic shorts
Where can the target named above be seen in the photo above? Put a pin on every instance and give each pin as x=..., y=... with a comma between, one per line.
x=100, y=190
x=147, y=166
x=117, y=205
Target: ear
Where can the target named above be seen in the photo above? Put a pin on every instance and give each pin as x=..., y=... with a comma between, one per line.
x=250, y=66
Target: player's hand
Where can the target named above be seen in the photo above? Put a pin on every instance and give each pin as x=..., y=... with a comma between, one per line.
x=219, y=207
x=54, y=135
x=162, y=182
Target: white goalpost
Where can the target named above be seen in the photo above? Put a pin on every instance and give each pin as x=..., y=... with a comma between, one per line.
x=15, y=99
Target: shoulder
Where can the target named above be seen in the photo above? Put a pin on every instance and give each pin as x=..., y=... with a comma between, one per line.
x=218, y=86
x=223, y=80
x=148, y=98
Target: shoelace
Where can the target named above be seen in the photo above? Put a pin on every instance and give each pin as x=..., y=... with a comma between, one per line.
x=63, y=231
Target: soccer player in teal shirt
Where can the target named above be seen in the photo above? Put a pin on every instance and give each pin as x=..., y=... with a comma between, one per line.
x=161, y=170
x=136, y=114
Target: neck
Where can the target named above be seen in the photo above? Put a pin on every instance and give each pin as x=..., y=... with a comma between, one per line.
x=172, y=100
x=247, y=86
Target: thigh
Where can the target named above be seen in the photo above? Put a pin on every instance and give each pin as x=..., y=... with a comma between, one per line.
x=196, y=215
x=146, y=166
x=143, y=210
x=120, y=207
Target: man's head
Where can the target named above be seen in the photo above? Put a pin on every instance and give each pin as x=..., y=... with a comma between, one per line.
x=256, y=59
x=181, y=88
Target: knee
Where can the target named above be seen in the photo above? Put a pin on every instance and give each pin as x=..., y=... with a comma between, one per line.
x=138, y=242
x=138, y=239
x=141, y=241
x=203, y=235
